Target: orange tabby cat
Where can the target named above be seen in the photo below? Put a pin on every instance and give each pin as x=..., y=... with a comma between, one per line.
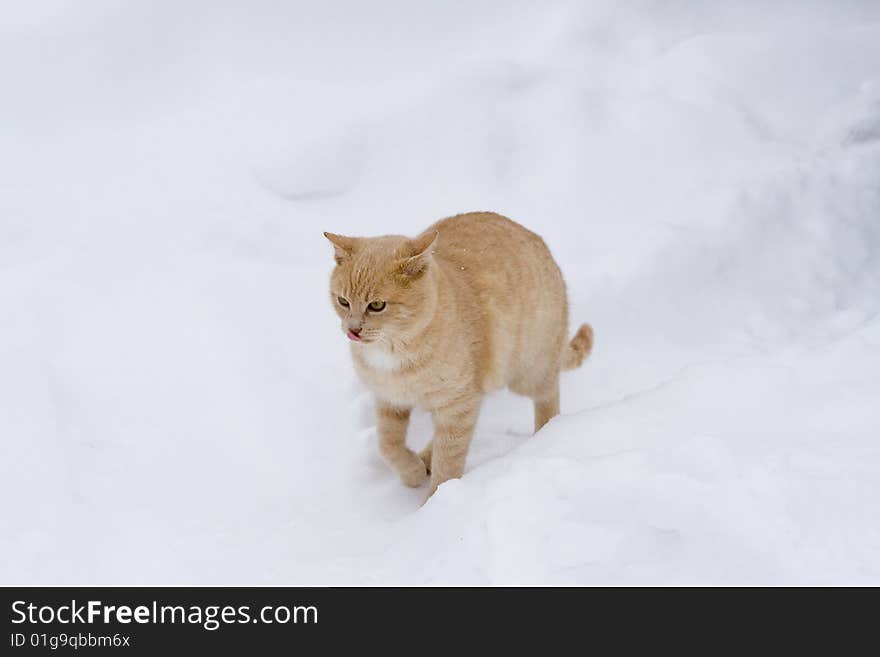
x=473, y=304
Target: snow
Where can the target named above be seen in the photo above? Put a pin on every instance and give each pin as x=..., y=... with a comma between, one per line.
x=177, y=403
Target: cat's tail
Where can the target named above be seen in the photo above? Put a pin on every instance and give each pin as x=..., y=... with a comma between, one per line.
x=579, y=348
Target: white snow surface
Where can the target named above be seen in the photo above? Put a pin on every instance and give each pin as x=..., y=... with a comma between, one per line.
x=177, y=404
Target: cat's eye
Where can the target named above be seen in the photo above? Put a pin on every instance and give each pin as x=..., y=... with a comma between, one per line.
x=377, y=306
x=342, y=301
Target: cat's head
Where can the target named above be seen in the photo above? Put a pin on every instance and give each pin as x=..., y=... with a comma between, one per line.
x=382, y=288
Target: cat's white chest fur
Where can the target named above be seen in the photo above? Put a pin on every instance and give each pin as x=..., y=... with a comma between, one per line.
x=379, y=358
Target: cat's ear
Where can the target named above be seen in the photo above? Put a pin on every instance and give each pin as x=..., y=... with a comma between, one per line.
x=421, y=249
x=342, y=246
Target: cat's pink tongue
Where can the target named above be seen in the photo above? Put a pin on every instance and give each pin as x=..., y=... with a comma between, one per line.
x=353, y=336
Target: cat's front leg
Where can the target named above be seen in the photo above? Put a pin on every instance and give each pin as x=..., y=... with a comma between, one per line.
x=425, y=455
x=393, y=423
x=453, y=430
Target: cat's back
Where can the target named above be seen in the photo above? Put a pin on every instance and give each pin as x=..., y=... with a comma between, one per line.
x=511, y=295
x=494, y=250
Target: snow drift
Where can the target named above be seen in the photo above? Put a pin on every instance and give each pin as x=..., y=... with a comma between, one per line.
x=176, y=402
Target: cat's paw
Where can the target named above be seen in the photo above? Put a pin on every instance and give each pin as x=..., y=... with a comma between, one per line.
x=414, y=472
x=415, y=476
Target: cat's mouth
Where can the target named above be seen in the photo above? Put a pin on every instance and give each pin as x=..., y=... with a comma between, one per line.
x=359, y=337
